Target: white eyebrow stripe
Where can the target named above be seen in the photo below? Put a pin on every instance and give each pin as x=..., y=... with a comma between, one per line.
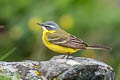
x=51, y=26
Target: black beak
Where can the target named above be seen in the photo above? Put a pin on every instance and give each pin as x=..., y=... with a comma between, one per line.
x=41, y=24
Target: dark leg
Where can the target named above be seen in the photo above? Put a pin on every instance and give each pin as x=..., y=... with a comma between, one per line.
x=67, y=56
x=63, y=56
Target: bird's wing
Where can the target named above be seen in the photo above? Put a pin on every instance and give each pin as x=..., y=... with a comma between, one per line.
x=66, y=40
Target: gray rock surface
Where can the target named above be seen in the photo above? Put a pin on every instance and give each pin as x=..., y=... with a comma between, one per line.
x=74, y=68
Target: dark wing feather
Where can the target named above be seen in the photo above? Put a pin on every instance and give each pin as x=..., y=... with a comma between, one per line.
x=69, y=41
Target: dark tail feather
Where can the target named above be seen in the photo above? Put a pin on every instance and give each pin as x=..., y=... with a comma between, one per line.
x=99, y=47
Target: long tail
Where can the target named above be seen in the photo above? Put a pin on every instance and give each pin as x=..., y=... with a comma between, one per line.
x=98, y=47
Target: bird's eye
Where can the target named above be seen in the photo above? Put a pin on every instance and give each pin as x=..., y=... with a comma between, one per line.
x=47, y=26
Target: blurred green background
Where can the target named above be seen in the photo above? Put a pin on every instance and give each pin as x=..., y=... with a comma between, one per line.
x=95, y=21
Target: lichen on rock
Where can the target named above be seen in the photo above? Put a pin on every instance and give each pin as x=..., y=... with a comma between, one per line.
x=74, y=68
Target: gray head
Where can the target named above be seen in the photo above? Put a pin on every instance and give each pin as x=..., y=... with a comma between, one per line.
x=49, y=25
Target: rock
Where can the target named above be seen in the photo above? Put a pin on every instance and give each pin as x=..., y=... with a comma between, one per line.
x=74, y=68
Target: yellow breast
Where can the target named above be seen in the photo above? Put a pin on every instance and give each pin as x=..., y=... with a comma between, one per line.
x=56, y=48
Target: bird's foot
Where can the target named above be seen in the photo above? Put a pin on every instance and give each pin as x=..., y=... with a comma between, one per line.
x=66, y=56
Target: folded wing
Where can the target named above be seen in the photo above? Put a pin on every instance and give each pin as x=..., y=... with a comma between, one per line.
x=66, y=40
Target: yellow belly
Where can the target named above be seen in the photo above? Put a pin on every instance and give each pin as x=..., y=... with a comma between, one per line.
x=57, y=48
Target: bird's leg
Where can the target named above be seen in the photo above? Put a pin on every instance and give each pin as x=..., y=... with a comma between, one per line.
x=63, y=56
x=67, y=56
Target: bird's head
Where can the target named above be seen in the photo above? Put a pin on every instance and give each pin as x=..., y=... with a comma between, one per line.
x=49, y=26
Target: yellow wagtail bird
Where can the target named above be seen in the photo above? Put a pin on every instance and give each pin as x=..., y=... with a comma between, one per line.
x=60, y=41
